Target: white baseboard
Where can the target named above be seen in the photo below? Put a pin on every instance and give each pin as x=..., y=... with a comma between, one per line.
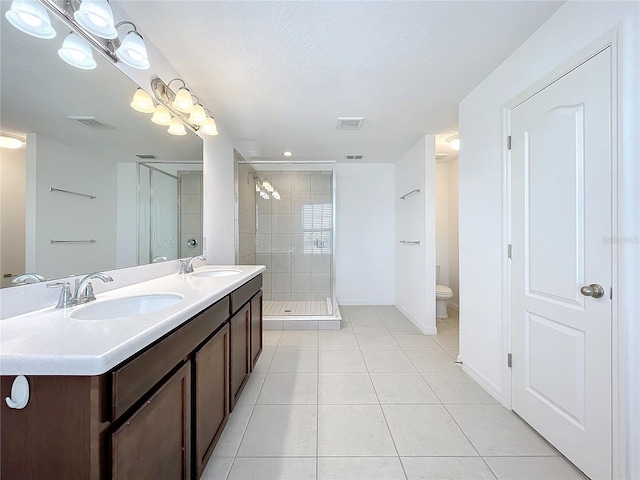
x=426, y=331
x=491, y=388
x=364, y=302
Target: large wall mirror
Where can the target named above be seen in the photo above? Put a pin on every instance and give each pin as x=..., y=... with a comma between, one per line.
x=97, y=185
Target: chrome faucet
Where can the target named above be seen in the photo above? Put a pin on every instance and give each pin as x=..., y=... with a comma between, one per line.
x=28, y=278
x=186, y=266
x=84, y=288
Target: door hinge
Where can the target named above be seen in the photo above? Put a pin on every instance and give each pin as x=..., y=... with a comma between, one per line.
x=509, y=360
x=509, y=251
x=508, y=142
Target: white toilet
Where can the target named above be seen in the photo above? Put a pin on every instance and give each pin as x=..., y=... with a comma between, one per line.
x=443, y=293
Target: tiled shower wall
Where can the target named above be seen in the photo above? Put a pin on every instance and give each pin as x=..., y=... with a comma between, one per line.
x=190, y=212
x=246, y=215
x=294, y=235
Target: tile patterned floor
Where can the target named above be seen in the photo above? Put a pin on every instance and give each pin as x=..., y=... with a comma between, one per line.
x=374, y=400
x=286, y=308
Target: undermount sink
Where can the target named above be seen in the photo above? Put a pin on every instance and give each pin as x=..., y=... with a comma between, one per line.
x=126, y=307
x=221, y=272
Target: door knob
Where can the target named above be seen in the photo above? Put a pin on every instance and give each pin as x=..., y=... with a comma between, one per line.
x=594, y=290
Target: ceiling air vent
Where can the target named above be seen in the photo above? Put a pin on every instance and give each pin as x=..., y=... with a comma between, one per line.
x=146, y=156
x=91, y=122
x=354, y=156
x=350, y=123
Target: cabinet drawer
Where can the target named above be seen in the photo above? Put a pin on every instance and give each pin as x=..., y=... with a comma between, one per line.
x=243, y=294
x=138, y=376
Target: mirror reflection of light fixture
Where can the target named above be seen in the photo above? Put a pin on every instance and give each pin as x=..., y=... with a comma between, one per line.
x=96, y=17
x=30, y=17
x=132, y=51
x=454, y=141
x=198, y=116
x=177, y=127
x=161, y=115
x=77, y=53
x=142, y=102
x=11, y=142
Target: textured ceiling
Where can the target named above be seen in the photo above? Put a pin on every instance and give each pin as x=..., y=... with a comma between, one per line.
x=276, y=75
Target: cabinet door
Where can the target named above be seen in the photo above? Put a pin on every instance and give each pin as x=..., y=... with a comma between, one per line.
x=256, y=328
x=239, y=325
x=212, y=395
x=155, y=441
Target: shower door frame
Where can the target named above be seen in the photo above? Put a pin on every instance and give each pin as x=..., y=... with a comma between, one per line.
x=334, y=302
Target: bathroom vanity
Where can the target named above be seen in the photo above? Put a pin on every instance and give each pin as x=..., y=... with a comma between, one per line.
x=149, y=402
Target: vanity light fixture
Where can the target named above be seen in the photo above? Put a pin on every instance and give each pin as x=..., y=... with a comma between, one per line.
x=198, y=116
x=209, y=127
x=30, y=17
x=77, y=53
x=96, y=17
x=182, y=100
x=11, y=142
x=177, y=127
x=142, y=102
x=454, y=141
x=161, y=115
x=132, y=51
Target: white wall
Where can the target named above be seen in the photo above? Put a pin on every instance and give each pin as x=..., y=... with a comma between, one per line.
x=568, y=32
x=13, y=179
x=415, y=219
x=447, y=225
x=127, y=215
x=62, y=216
x=365, y=240
x=218, y=221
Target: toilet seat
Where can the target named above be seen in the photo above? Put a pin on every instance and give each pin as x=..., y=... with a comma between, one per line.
x=443, y=291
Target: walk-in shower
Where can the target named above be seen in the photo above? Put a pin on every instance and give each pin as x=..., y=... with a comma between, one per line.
x=285, y=220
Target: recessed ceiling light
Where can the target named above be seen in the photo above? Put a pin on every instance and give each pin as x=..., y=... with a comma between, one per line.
x=287, y=154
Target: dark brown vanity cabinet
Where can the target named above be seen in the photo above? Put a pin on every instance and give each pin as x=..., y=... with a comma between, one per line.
x=157, y=415
x=211, y=395
x=154, y=441
x=256, y=328
x=240, y=325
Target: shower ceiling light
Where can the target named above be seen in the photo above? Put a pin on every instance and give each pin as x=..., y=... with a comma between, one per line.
x=11, y=142
x=287, y=154
x=454, y=141
x=30, y=17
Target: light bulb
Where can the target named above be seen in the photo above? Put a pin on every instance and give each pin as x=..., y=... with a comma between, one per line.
x=10, y=143
x=30, y=17
x=177, y=127
x=76, y=52
x=183, y=101
x=209, y=127
x=142, y=102
x=96, y=17
x=198, y=116
x=161, y=115
x=133, y=52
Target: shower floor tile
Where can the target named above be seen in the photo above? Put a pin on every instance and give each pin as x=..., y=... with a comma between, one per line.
x=290, y=308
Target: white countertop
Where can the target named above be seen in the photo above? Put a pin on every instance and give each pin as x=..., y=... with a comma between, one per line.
x=50, y=342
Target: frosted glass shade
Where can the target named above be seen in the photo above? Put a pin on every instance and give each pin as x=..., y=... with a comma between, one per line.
x=77, y=53
x=30, y=17
x=209, y=127
x=133, y=52
x=177, y=127
x=183, y=101
x=161, y=115
x=142, y=102
x=96, y=17
x=198, y=116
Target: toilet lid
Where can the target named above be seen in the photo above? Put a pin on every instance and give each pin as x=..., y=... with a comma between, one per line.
x=443, y=289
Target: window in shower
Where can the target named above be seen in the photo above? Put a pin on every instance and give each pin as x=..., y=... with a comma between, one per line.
x=285, y=222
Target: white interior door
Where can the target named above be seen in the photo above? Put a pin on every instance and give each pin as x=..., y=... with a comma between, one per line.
x=561, y=235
